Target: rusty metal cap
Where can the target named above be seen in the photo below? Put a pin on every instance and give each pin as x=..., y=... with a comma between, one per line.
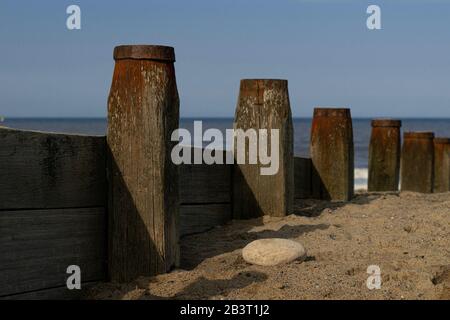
x=145, y=52
x=386, y=123
x=332, y=112
x=441, y=140
x=418, y=135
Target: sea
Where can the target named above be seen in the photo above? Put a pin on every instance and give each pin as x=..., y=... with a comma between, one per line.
x=361, y=133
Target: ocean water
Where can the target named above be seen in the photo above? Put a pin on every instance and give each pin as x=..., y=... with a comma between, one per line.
x=361, y=133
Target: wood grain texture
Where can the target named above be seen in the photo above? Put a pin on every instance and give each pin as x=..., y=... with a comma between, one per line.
x=47, y=170
x=59, y=293
x=38, y=246
x=332, y=154
x=143, y=111
x=441, y=165
x=384, y=156
x=200, y=218
x=264, y=104
x=417, y=162
x=302, y=178
x=202, y=183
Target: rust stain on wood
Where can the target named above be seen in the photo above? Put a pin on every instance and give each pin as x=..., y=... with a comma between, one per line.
x=143, y=111
x=384, y=155
x=417, y=162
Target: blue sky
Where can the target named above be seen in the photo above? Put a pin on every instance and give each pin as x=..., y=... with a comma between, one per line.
x=322, y=47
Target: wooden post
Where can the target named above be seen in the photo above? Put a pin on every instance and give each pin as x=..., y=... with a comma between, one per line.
x=384, y=155
x=417, y=164
x=264, y=104
x=143, y=111
x=332, y=154
x=441, y=165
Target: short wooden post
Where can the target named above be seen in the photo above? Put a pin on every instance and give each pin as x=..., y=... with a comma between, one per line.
x=441, y=165
x=143, y=111
x=263, y=104
x=384, y=155
x=332, y=154
x=417, y=163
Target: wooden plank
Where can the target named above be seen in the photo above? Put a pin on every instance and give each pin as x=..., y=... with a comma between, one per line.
x=39, y=245
x=200, y=218
x=47, y=170
x=302, y=177
x=202, y=183
x=59, y=293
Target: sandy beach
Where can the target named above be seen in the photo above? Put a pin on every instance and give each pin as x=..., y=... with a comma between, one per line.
x=407, y=235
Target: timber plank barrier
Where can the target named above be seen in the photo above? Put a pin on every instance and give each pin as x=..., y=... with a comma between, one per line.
x=302, y=178
x=53, y=192
x=205, y=195
x=52, y=212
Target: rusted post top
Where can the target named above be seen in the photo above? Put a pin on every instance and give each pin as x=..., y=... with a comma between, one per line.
x=144, y=52
x=440, y=140
x=386, y=123
x=263, y=81
x=332, y=112
x=255, y=88
x=418, y=135
x=249, y=86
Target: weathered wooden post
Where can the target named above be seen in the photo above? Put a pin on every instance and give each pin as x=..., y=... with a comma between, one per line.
x=441, y=165
x=417, y=163
x=263, y=104
x=143, y=111
x=332, y=154
x=384, y=155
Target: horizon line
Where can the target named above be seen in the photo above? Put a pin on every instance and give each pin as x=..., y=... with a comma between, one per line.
x=215, y=118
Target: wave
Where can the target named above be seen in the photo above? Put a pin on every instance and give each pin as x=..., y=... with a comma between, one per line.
x=361, y=177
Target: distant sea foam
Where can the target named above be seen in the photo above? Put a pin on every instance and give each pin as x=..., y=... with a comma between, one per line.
x=361, y=177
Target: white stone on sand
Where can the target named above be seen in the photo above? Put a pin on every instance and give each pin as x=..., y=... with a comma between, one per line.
x=272, y=252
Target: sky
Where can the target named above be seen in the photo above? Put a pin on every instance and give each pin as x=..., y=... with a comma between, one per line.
x=323, y=48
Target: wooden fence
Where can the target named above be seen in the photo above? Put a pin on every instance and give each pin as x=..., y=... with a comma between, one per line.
x=52, y=212
x=53, y=193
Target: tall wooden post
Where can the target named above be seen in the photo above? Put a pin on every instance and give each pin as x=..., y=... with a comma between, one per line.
x=332, y=154
x=263, y=104
x=143, y=111
x=384, y=155
x=441, y=165
x=417, y=163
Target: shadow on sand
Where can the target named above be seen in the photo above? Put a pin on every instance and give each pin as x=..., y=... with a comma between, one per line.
x=238, y=234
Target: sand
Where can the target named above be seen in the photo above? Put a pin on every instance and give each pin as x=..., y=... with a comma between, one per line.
x=407, y=235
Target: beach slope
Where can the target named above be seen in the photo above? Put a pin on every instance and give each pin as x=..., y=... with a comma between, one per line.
x=407, y=235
